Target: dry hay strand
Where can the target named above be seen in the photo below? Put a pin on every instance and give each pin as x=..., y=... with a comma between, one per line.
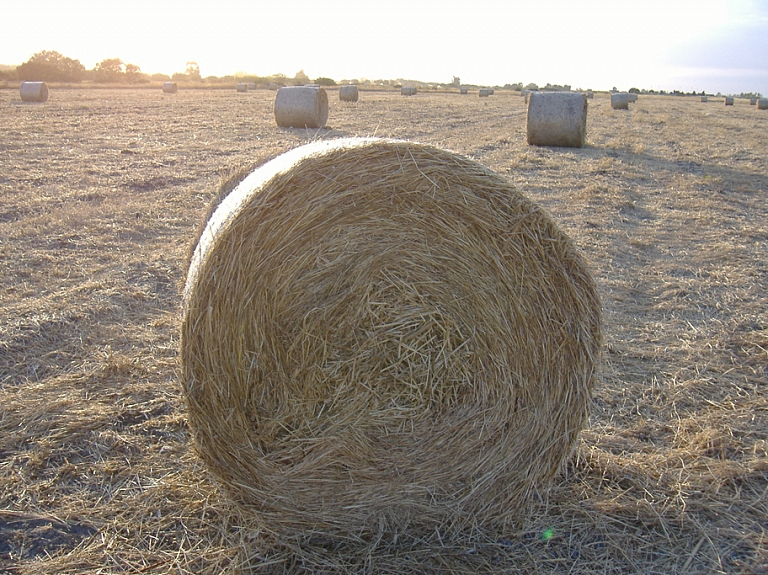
x=383, y=341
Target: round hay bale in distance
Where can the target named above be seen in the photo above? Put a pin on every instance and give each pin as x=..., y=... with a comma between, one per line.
x=729, y=100
x=557, y=119
x=590, y=94
x=170, y=87
x=762, y=104
x=620, y=101
x=408, y=91
x=632, y=97
x=34, y=91
x=381, y=339
x=463, y=90
x=301, y=107
x=483, y=93
x=704, y=98
x=752, y=101
x=241, y=87
x=349, y=93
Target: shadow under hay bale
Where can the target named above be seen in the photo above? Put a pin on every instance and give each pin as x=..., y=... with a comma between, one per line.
x=384, y=341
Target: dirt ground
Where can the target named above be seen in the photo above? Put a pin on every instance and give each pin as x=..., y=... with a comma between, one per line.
x=102, y=192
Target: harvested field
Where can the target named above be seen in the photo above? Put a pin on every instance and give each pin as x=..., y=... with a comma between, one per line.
x=103, y=191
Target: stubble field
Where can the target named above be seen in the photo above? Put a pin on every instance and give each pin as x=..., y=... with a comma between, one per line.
x=102, y=192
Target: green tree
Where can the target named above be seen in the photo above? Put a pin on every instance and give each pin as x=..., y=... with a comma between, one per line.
x=109, y=71
x=193, y=71
x=50, y=66
x=132, y=74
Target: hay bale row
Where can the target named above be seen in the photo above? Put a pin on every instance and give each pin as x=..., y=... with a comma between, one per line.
x=557, y=119
x=349, y=93
x=33, y=91
x=381, y=339
x=620, y=101
x=170, y=87
x=301, y=107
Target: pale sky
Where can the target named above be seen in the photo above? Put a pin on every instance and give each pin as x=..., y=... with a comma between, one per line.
x=711, y=45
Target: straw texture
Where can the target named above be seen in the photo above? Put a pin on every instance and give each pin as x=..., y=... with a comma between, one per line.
x=383, y=341
x=34, y=91
x=557, y=119
x=301, y=107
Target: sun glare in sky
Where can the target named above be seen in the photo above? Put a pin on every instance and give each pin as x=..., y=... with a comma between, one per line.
x=712, y=45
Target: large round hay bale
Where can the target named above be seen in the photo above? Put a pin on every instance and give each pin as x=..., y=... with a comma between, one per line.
x=762, y=104
x=382, y=339
x=170, y=87
x=557, y=119
x=620, y=101
x=349, y=93
x=483, y=93
x=408, y=91
x=34, y=91
x=241, y=87
x=301, y=107
x=729, y=100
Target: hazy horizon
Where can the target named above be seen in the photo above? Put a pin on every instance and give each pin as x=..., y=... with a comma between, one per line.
x=706, y=45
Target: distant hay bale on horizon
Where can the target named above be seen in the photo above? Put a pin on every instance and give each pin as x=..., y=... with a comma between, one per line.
x=381, y=339
x=704, y=99
x=273, y=86
x=170, y=88
x=408, y=91
x=483, y=93
x=729, y=100
x=557, y=119
x=762, y=104
x=620, y=101
x=241, y=87
x=252, y=85
x=349, y=93
x=590, y=94
x=752, y=101
x=301, y=107
x=33, y=91
x=463, y=90
x=632, y=97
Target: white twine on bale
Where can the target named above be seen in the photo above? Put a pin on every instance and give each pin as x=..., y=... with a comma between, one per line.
x=349, y=93
x=557, y=119
x=301, y=107
x=34, y=91
x=170, y=87
x=242, y=87
x=620, y=101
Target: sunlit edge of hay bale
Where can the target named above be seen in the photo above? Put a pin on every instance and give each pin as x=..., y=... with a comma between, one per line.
x=383, y=339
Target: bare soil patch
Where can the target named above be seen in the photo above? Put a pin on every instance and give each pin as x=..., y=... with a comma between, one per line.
x=102, y=192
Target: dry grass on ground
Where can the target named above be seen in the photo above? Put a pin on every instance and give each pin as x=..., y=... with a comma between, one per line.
x=101, y=192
